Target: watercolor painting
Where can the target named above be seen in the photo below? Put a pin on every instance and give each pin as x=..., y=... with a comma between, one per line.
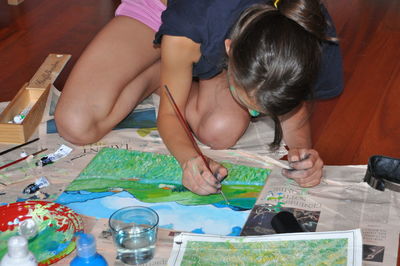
x=118, y=178
x=300, y=252
x=56, y=226
x=321, y=248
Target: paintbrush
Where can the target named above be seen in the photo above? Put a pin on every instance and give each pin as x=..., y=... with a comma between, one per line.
x=190, y=135
x=21, y=159
x=269, y=160
x=18, y=146
x=263, y=159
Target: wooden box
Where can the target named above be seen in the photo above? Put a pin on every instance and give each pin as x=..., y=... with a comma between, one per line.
x=26, y=97
x=34, y=95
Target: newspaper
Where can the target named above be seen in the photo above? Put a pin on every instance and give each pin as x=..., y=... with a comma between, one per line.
x=341, y=202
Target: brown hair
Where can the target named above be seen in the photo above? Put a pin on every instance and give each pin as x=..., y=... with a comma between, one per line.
x=275, y=55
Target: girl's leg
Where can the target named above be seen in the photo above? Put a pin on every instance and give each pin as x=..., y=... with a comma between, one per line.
x=215, y=117
x=118, y=69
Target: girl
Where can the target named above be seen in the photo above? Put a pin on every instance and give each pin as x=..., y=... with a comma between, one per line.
x=222, y=61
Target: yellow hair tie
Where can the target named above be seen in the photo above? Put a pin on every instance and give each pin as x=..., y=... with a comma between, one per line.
x=276, y=3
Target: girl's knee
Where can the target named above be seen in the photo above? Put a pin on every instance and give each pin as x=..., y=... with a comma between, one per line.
x=75, y=128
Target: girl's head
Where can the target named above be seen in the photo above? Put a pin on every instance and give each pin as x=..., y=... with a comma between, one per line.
x=274, y=55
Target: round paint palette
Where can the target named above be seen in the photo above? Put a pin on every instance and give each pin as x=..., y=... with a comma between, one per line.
x=56, y=228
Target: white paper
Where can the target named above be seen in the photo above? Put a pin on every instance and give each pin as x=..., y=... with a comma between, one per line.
x=346, y=247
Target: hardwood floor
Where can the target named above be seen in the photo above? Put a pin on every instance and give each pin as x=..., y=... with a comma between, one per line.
x=365, y=119
x=35, y=28
x=362, y=122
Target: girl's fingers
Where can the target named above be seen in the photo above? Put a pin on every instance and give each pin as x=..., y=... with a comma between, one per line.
x=310, y=180
x=219, y=171
x=307, y=171
x=198, y=179
x=197, y=185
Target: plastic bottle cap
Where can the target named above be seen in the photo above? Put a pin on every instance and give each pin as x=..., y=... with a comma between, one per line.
x=86, y=245
x=17, y=247
x=18, y=119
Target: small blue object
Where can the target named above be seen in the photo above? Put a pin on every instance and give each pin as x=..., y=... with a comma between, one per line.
x=86, y=252
x=44, y=161
x=254, y=113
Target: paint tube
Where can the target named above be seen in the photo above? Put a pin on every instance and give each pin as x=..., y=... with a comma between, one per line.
x=39, y=183
x=18, y=119
x=51, y=158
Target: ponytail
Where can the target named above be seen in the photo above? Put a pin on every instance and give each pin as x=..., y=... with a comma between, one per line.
x=275, y=54
x=306, y=13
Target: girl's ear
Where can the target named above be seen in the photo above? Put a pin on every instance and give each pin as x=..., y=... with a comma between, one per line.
x=227, y=45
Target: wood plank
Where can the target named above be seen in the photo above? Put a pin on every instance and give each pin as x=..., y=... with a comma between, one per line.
x=341, y=127
x=14, y=2
x=48, y=71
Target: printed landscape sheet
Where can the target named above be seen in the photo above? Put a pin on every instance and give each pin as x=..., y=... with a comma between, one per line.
x=322, y=248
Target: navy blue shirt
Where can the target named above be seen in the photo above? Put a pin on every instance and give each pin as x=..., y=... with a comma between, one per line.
x=208, y=22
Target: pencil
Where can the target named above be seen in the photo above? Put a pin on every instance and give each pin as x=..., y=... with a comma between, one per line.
x=18, y=146
x=190, y=135
x=21, y=159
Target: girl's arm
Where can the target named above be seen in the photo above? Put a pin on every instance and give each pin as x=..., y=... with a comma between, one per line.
x=297, y=135
x=177, y=57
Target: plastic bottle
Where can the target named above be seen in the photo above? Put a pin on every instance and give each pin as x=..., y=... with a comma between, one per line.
x=86, y=252
x=18, y=253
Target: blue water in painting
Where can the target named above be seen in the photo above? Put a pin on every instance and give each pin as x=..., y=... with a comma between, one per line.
x=208, y=219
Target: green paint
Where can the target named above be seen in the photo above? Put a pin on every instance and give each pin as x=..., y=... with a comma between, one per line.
x=143, y=132
x=49, y=242
x=141, y=173
x=56, y=229
x=277, y=207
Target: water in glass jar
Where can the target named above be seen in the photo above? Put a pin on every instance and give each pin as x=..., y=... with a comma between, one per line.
x=136, y=244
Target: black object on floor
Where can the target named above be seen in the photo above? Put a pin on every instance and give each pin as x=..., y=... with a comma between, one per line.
x=383, y=172
x=285, y=222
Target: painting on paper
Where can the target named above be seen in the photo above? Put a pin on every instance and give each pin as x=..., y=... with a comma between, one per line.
x=118, y=178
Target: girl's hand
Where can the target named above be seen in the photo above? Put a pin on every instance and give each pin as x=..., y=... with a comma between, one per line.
x=306, y=167
x=197, y=178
